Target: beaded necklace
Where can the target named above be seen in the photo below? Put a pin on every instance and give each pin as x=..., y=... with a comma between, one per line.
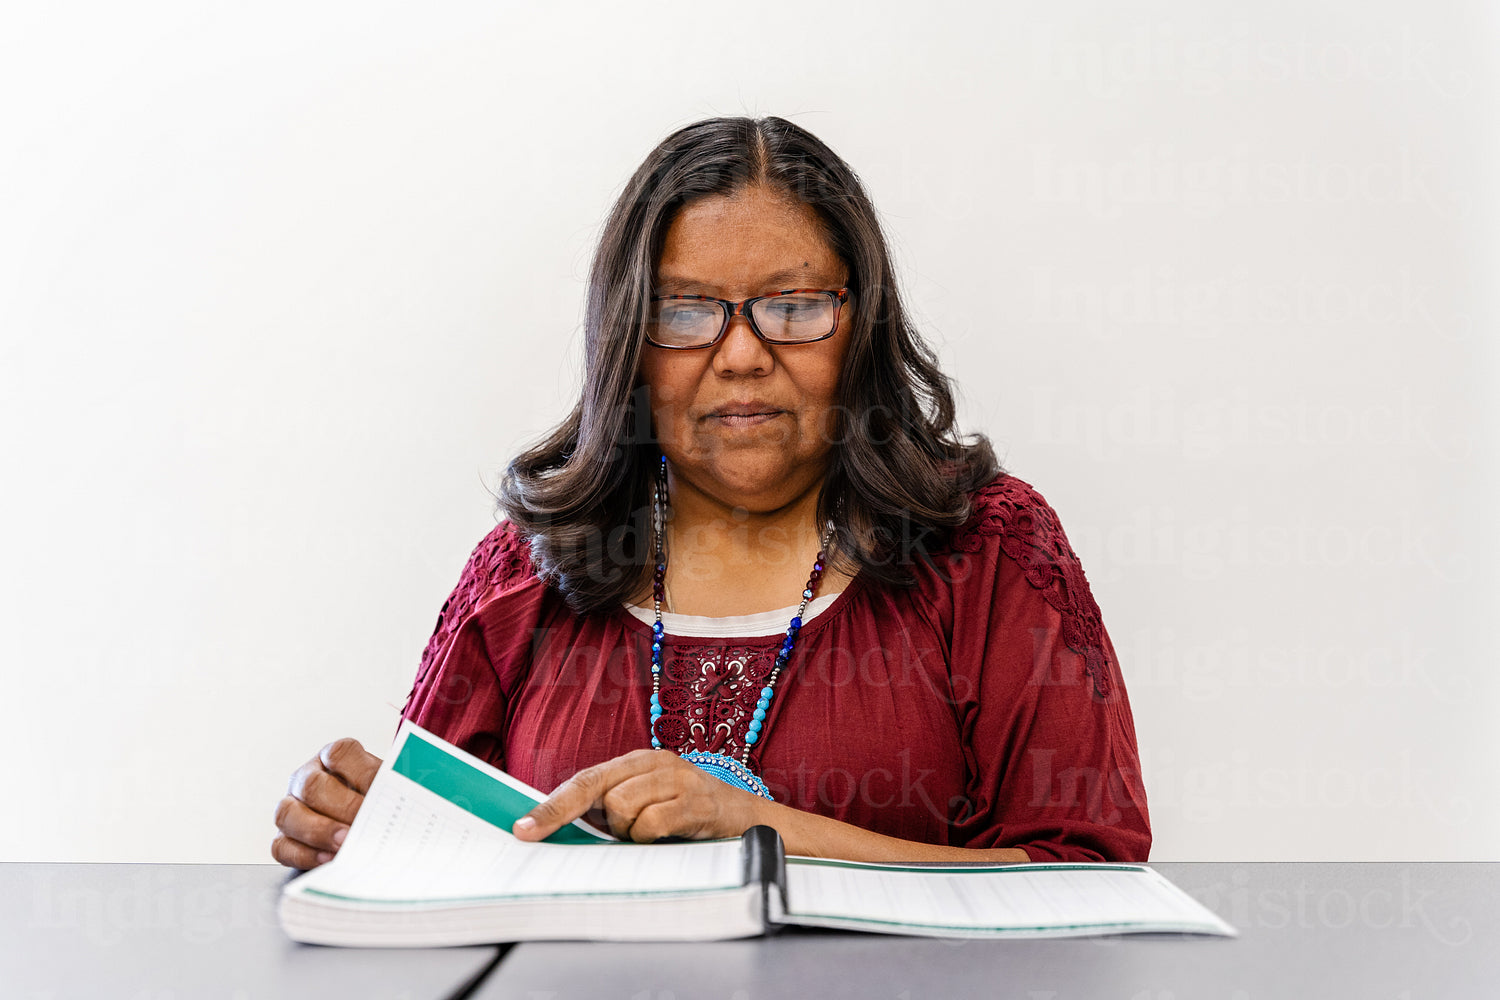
x=723, y=766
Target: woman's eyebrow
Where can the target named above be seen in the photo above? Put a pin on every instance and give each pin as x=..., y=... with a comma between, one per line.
x=791, y=277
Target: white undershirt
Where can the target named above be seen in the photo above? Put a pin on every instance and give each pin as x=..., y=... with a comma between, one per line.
x=766, y=623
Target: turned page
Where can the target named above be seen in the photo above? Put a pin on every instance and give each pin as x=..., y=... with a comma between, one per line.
x=435, y=825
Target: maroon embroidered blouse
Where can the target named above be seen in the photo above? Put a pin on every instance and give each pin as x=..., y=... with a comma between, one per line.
x=983, y=707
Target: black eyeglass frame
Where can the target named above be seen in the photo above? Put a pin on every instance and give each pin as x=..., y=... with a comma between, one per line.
x=742, y=308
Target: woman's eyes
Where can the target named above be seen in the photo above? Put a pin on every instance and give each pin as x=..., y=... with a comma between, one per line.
x=690, y=315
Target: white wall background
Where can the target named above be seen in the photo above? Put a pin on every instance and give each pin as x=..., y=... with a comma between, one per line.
x=282, y=286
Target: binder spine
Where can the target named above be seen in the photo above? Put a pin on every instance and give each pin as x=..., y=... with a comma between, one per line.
x=765, y=864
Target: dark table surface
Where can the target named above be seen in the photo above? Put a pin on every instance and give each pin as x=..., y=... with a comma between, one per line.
x=1392, y=931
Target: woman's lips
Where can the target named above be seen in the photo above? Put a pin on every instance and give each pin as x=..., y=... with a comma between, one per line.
x=744, y=419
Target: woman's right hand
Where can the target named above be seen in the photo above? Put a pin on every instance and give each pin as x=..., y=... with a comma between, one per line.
x=321, y=800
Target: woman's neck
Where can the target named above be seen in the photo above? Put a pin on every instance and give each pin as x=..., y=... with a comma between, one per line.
x=730, y=561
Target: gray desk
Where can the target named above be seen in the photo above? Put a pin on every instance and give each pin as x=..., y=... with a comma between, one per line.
x=175, y=932
x=1330, y=931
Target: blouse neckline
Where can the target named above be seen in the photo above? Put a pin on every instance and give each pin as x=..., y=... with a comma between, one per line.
x=761, y=625
x=758, y=625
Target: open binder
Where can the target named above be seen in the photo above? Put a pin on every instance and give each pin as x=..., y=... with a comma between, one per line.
x=430, y=861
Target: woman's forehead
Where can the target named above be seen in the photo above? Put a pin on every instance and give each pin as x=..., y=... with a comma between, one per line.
x=807, y=274
x=753, y=239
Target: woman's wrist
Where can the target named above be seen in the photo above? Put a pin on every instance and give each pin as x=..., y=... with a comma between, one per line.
x=810, y=835
x=758, y=812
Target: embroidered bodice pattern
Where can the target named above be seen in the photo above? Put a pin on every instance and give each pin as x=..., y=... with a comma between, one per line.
x=708, y=692
x=1031, y=535
x=503, y=557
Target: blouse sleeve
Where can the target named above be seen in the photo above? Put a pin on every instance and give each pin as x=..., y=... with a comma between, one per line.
x=1048, y=736
x=458, y=694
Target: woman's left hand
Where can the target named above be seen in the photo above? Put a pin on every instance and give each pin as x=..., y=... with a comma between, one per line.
x=647, y=795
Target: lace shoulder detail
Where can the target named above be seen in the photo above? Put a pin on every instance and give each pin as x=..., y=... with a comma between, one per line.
x=501, y=560
x=1030, y=533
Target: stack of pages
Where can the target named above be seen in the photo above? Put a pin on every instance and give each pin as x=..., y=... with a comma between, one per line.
x=430, y=860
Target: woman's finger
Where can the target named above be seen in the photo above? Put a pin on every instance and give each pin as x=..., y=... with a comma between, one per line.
x=324, y=793
x=296, y=820
x=294, y=854
x=579, y=793
x=624, y=802
x=658, y=820
x=352, y=763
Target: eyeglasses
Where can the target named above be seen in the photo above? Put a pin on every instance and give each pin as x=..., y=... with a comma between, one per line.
x=795, y=316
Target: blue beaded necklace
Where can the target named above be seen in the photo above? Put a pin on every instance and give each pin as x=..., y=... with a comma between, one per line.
x=723, y=766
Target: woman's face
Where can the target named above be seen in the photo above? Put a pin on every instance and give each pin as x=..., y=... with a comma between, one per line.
x=733, y=247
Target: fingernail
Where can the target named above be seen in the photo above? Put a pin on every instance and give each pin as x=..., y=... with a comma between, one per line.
x=324, y=857
x=339, y=835
x=524, y=825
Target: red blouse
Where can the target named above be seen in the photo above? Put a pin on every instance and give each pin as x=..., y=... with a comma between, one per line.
x=983, y=707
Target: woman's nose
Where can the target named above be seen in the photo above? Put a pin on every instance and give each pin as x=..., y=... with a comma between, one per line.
x=741, y=352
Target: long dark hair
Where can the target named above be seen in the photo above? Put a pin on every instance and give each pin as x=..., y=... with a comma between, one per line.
x=898, y=474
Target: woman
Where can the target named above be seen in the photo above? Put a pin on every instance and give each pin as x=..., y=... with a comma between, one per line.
x=758, y=423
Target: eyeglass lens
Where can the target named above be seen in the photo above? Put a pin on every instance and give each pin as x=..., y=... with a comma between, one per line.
x=782, y=318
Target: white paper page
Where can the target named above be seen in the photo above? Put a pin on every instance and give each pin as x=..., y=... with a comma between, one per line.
x=1027, y=899
x=409, y=843
x=472, y=783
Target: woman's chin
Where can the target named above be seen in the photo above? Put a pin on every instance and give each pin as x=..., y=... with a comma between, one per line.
x=758, y=487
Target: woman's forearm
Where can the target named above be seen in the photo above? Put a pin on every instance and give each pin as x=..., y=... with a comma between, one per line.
x=811, y=835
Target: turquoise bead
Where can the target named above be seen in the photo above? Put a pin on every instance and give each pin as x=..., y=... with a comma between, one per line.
x=759, y=714
x=755, y=725
x=751, y=737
